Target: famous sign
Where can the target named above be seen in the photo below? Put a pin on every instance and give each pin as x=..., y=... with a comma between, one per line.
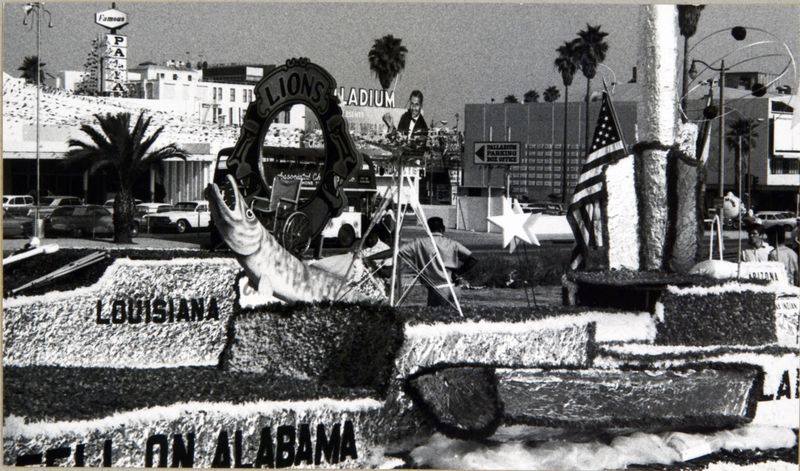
x=497, y=153
x=111, y=19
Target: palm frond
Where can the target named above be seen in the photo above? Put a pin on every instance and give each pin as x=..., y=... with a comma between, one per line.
x=591, y=49
x=387, y=59
x=688, y=18
x=566, y=62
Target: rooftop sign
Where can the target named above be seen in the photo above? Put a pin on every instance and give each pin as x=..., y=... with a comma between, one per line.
x=111, y=19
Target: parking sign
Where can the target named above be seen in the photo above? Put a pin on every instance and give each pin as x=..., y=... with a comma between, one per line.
x=496, y=153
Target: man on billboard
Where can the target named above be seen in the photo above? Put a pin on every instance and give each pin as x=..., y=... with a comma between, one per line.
x=412, y=126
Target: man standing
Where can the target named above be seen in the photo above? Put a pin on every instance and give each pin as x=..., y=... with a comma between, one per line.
x=412, y=126
x=420, y=254
x=782, y=253
x=758, y=251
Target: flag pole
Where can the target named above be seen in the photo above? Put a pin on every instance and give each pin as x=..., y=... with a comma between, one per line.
x=614, y=117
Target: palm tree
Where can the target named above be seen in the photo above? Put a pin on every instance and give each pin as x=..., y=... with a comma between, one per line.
x=117, y=147
x=511, y=99
x=688, y=17
x=591, y=52
x=28, y=69
x=531, y=96
x=387, y=59
x=551, y=94
x=740, y=138
x=567, y=66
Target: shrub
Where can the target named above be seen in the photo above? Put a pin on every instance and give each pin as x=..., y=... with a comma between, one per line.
x=539, y=267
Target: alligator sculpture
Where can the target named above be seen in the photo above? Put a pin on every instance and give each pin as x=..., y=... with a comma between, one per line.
x=269, y=267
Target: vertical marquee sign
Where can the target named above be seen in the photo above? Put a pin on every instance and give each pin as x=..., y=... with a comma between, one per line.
x=114, y=68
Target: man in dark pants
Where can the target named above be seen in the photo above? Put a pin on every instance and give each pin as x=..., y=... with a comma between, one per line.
x=420, y=254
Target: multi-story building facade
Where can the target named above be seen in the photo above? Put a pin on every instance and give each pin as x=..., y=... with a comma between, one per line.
x=539, y=129
x=202, y=93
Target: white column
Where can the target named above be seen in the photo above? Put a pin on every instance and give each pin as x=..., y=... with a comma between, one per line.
x=657, y=122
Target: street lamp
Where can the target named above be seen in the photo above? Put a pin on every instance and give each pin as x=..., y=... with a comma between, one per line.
x=614, y=83
x=722, y=69
x=739, y=33
x=37, y=8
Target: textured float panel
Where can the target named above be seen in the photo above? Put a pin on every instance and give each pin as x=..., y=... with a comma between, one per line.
x=140, y=314
x=347, y=344
x=140, y=437
x=589, y=399
x=622, y=215
x=731, y=314
x=523, y=344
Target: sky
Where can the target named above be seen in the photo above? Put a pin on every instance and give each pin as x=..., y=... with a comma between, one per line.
x=457, y=53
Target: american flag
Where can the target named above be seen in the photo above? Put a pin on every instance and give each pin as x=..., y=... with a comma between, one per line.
x=585, y=211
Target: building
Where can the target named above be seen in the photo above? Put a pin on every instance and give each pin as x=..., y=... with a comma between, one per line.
x=236, y=73
x=63, y=113
x=539, y=129
x=68, y=79
x=186, y=105
x=186, y=91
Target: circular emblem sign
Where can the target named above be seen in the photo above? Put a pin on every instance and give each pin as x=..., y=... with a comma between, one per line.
x=297, y=82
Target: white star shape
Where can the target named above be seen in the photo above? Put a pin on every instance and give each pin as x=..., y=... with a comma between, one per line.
x=515, y=223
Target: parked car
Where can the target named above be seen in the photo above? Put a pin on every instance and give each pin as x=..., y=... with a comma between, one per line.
x=16, y=226
x=109, y=204
x=142, y=210
x=775, y=218
x=185, y=216
x=17, y=204
x=79, y=221
x=48, y=204
x=553, y=209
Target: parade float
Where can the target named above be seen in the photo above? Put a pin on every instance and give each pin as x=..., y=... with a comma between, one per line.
x=264, y=360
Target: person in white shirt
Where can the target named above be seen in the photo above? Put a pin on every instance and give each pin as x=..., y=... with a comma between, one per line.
x=758, y=250
x=420, y=254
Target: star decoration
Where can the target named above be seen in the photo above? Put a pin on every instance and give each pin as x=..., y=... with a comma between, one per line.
x=515, y=224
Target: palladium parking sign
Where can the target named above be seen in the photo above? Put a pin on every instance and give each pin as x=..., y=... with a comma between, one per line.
x=496, y=153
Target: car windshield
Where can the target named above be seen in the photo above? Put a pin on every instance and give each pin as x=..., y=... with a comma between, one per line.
x=47, y=201
x=164, y=209
x=185, y=206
